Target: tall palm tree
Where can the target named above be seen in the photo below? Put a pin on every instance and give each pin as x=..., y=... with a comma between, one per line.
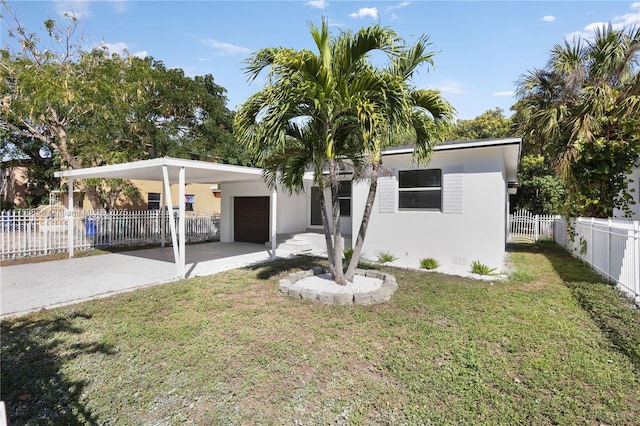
x=583, y=110
x=334, y=110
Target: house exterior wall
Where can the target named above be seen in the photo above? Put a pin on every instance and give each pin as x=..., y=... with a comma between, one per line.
x=205, y=199
x=14, y=185
x=471, y=225
x=346, y=222
x=290, y=213
x=635, y=185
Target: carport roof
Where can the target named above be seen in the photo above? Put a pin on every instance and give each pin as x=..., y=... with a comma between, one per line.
x=195, y=171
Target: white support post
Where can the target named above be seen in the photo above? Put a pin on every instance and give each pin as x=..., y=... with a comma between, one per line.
x=172, y=223
x=70, y=217
x=274, y=222
x=181, y=223
x=163, y=210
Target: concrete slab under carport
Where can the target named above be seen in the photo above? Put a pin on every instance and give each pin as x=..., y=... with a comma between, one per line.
x=31, y=287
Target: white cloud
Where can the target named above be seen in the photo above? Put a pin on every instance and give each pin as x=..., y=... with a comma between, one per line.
x=78, y=8
x=371, y=12
x=449, y=87
x=618, y=23
x=505, y=93
x=399, y=6
x=121, y=49
x=337, y=24
x=226, y=48
x=548, y=18
x=119, y=6
x=318, y=4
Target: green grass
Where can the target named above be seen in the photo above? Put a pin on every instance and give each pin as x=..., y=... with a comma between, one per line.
x=551, y=345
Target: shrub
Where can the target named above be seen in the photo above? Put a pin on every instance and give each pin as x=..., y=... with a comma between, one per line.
x=348, y=254
x=429, y=263
x=481, y=269
x=386, y=257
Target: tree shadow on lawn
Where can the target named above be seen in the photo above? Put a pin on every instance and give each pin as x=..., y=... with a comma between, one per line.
x=269, y=269
x=272, y=268
x=614, y=314
x=34, y=388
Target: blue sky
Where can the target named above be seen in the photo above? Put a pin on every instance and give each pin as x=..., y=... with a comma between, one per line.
x=483, y=47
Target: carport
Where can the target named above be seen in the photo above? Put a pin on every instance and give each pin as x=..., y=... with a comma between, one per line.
x=172, y=171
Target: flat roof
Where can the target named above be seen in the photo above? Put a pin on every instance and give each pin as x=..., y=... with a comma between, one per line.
x=452, y=145
x=511, y=148
x=195, y=171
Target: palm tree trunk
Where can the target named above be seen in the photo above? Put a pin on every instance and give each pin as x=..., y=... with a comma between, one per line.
x=337, y=239
x=338, y=272
x=366, y=215
x=327, y=231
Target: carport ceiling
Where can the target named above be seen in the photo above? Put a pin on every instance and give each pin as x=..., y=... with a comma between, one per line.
x=195, y=171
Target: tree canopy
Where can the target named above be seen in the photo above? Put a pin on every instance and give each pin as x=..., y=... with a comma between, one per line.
x=90, y=107
x=333, y=111
x=491, y=124
x=582, y=111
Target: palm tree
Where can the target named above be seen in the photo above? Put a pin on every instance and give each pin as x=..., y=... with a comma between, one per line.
x=335, y=111
x=583, y=110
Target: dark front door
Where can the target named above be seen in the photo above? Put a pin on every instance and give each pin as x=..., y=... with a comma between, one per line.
x=251, y=219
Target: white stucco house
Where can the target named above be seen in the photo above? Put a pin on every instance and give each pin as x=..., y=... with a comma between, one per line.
x=634, y=186
x=454, y=210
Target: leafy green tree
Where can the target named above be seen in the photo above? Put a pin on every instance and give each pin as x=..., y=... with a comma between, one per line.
x=490, y=124
x=539, y=191
x=90, y=108
x=334, y=111
x=583, y=112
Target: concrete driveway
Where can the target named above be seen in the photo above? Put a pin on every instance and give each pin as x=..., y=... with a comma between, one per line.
x=31, y=287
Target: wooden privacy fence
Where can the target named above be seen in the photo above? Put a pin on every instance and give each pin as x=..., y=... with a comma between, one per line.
x=610, y=246
x=525, y=226
x=36, y=232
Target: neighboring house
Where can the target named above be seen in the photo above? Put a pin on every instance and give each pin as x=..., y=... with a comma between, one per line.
x=455, y=209
x=15, y=185
x=198, y=197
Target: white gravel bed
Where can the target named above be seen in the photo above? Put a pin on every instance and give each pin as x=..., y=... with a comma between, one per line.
x=323, y=282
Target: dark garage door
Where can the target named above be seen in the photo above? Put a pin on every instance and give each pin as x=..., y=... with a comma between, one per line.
x=251, y=219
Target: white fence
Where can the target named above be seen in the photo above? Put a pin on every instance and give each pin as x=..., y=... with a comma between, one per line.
x=524, y=226
x=37, y=232
x=610, y=246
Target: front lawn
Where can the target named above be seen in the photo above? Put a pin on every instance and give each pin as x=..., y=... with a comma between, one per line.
x=553, y=345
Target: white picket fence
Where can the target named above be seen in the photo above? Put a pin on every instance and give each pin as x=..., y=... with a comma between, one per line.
x=610, y=246
x=36, y=232
x=525, y=226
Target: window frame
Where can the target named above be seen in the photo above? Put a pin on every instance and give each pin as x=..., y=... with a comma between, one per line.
x=150, y=201
x=418, y=189
x=343, y=197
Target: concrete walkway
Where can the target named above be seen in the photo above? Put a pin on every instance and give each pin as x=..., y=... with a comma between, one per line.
x=31, y=287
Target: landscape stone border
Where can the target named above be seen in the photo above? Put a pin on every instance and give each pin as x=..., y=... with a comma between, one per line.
x=379, y=295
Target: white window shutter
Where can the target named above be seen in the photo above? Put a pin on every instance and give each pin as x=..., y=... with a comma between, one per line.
x=387, y=194
x=452, y=191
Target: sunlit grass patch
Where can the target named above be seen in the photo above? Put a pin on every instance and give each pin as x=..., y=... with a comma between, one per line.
x=553, y=344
